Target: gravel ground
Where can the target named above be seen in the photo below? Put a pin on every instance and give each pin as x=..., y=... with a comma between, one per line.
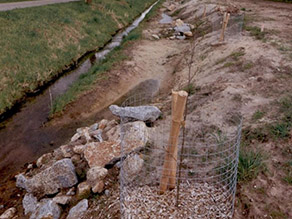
x=197, y=201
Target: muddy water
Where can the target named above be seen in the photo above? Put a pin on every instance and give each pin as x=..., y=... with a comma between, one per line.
x=25, y=136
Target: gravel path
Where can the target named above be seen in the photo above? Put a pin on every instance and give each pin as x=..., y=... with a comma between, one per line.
x=28, y=4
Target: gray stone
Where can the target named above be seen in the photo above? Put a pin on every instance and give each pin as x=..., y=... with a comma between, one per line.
x=62, y=199
x=107, y=192
x=132, y=166
x=8, y=214
x=47, y=208
x=29, y=203
x=182, y=29
x=93, y=127
x=78, y=210
x=21, y=181
x=181, y=37
x=60, y=175
x=108, y=152
x=143, y=113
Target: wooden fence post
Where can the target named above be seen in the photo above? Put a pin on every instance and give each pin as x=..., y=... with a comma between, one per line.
x=224, y=26
x=168, y=177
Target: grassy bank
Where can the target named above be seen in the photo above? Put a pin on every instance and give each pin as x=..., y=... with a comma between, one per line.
x=98, y=72
x=36, y=43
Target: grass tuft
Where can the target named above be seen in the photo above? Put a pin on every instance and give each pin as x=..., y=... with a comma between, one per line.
x=256, y=32
x=258, y=115
x=250, y=165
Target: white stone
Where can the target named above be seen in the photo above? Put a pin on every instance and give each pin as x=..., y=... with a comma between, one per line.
x=8, y=214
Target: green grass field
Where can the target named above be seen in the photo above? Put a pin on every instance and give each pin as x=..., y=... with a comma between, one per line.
x=36, y=43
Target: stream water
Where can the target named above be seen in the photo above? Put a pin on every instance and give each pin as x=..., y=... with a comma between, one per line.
x=25, y=136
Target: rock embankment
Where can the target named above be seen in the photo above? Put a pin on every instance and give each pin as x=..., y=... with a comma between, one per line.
x=67, y=177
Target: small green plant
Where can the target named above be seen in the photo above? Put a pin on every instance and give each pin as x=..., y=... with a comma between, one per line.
x=280, y=130
x=248, y=66
x=228, y=64
x=258, y=115
x=288, y=170
x=237, y=54
x=250, y=165
x=190, y=89
x=256, y=32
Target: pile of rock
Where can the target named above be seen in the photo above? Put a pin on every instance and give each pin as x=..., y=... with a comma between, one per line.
x=179, y=30
x=182, y=30
x=68, y=176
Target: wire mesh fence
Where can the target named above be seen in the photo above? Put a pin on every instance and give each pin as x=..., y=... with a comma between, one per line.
x=206, y=171
x=234, y=26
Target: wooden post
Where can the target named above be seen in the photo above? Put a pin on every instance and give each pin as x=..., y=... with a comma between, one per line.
x=168, y=177
x=224, y=25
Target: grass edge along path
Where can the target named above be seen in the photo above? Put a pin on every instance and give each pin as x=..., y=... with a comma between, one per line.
x=41, y=42
x=98, y=72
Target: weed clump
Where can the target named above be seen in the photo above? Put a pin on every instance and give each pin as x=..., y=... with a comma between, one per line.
x=250, y=165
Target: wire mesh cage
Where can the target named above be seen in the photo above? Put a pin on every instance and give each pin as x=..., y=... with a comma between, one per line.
x=234, y=27
x=203, y=183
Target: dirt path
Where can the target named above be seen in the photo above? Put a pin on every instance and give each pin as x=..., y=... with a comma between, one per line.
x=29, y=4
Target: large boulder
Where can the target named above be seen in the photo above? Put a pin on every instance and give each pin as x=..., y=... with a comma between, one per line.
x=29, y=203
x=135, y=136
x=46, y=209
x=142, y=113
x=78, y=210
x=100, y=154
x=132, y=167
x=60, y=175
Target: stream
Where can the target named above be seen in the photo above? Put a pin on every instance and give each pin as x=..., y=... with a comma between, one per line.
x=25, y=136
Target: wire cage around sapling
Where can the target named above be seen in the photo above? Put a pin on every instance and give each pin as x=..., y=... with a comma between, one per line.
x=206, y=170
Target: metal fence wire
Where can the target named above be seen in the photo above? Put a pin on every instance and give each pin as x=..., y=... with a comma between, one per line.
x=234, y=27
x=207, y=175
